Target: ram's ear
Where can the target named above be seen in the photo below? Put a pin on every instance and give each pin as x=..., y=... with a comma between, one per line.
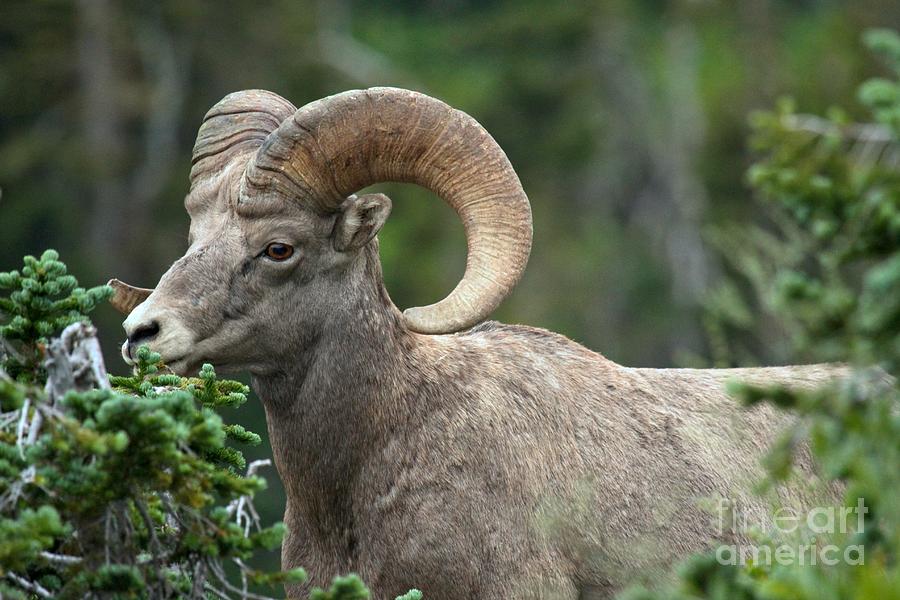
x=360, y=219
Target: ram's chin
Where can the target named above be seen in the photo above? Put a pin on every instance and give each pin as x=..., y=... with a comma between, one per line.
x=181, y=366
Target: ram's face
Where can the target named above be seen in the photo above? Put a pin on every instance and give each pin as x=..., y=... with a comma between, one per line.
x=246, y=279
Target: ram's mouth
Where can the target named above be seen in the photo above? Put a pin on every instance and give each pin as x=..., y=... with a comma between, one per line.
x=178, y=365
x=126, y=355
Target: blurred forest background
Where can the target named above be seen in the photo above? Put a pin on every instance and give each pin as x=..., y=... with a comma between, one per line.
x=626, y=121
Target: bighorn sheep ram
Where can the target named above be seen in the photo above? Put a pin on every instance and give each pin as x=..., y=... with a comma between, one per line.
x=427, y=448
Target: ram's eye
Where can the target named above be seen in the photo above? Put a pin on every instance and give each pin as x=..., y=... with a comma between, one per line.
x=277, y=251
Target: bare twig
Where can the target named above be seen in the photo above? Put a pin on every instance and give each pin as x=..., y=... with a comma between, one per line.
x=62, y=558
x=35, y=428
x=870, y=144
x=20, y=430
x=242, y=509
x=199, y=580
x=7, y=419
x=148, y=522
x=217, y=570
x=857, y=131
x=32, y=586
x=157, y=551
x=215, y=591
x=244, y=569
x=171, y=512
x=7, y=349
x=14, y=490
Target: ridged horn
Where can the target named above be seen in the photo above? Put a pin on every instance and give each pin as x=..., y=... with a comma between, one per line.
x=126, y=297
x=238, y=123
x=336, y=146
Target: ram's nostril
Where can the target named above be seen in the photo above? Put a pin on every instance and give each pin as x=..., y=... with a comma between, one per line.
x=143, y=334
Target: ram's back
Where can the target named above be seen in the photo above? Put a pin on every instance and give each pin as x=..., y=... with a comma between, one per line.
x=620, y=471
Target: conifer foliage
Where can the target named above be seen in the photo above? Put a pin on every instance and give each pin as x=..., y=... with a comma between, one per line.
x=127, y=487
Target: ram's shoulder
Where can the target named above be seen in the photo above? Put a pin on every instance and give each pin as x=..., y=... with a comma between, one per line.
x=527, y=339
x=504, y=331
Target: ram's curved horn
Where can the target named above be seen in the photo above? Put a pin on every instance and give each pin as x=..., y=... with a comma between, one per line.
x=236, y=125
x=126, y=297
x=338, y=145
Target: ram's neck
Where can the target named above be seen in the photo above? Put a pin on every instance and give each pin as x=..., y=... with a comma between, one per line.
x=336, y=403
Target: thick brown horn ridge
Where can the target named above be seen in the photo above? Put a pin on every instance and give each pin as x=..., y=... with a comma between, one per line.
x=336, y=146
